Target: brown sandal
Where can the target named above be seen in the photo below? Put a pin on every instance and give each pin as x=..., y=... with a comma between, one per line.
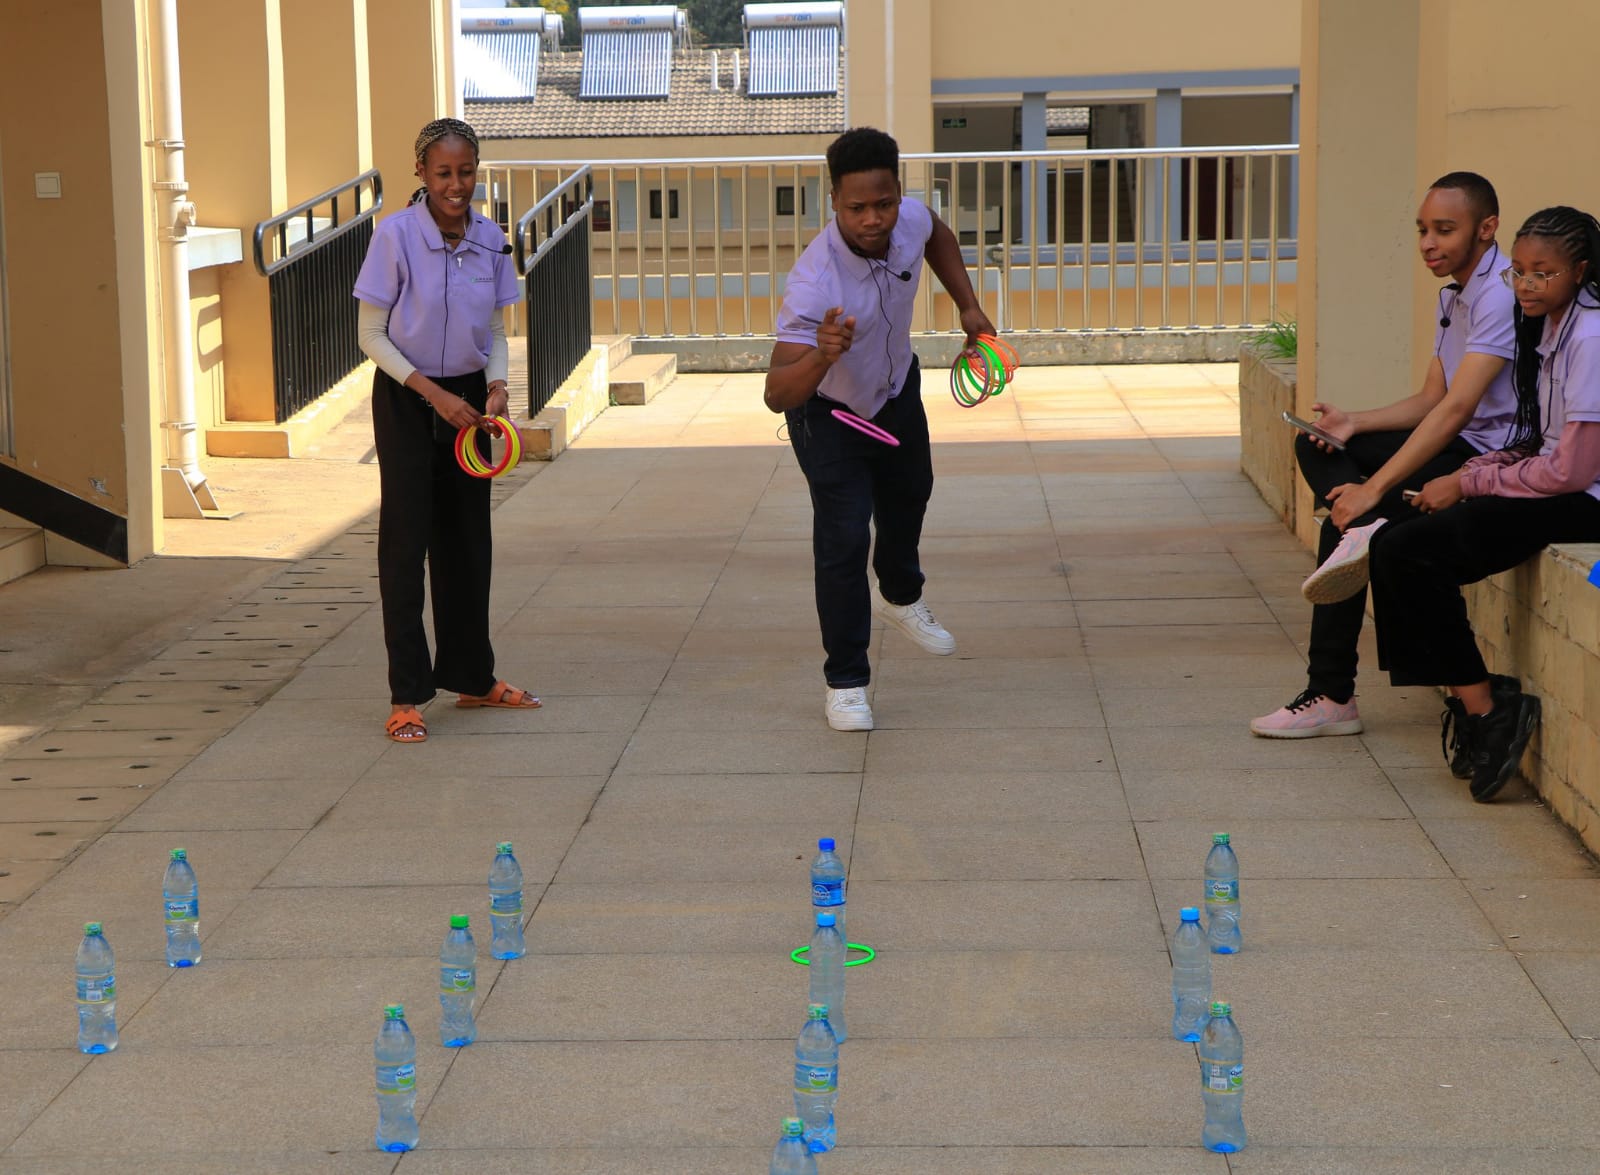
x=400, y=719
x=502, y=696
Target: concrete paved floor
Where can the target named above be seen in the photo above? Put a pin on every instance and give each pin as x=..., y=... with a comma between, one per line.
x=1418, y=992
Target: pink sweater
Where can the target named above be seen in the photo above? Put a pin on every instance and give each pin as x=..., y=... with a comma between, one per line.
x=1571, y=467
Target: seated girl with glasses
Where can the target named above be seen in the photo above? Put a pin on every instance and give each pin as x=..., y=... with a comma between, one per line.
x=1505, y=506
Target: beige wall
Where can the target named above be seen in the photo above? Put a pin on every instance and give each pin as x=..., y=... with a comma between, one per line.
x=410, y=85
x=1056, y=38
x=66, y=355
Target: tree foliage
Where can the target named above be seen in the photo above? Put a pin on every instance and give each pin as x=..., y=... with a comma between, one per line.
x=711, y=22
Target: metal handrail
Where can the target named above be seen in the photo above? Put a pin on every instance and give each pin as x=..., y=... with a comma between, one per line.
x=313, y=240
x=1143, y=238
x=1096, y=153
x=528, y=253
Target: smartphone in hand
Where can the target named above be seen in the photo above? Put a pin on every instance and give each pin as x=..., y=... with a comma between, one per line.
x=1312, y=430
x=1409, y=495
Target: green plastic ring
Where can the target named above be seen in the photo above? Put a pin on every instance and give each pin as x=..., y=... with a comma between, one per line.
x=794, y=955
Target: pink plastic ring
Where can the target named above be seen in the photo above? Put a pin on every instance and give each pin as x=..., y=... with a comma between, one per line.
x=865, y=426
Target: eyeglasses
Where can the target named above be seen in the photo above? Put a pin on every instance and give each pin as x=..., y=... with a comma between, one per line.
x=1535, y=281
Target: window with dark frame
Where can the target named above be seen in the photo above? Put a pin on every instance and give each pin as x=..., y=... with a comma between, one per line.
x=655, y=204
x=784, y=200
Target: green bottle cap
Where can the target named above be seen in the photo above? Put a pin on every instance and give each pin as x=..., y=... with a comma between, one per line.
x=817, y=1012
x=503, y=847
x=1221, y=1008
x=793, y=1128
x=458, y=921
x=91, y=928
x=394, y=1012
x=1219, y=838
x=180, y=854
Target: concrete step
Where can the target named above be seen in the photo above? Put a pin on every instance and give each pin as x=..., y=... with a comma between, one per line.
x=21, y=551
x=637, y=379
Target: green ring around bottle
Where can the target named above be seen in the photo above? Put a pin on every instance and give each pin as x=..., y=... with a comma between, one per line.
x=794, y=955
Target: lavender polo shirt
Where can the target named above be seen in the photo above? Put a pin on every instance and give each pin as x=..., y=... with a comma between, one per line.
x=440, y=301
x=1481, y=323
x=828, y=274
x=1569, y=375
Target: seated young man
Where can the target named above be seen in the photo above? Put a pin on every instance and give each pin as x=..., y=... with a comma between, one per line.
x=1465, y=407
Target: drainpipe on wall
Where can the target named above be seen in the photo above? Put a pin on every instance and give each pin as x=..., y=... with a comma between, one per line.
x=184, y=492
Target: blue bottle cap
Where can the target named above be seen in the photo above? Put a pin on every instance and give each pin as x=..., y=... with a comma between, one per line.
x=826, y=844
x=180, y=854
x=826, y=920
x=1219, y=838
x=1189, y=914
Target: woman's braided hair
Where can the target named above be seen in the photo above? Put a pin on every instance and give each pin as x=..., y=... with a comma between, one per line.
x=1577, y=234
x=441, y=128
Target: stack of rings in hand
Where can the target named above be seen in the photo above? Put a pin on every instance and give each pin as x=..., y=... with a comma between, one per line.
x=468, y=457
x=982, y=370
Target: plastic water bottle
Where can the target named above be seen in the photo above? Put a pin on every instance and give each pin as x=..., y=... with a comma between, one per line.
x=1191, y=977
x=505, y=905
x=181, y=895
x=394, y=1054
x=827, y=883
x=1222, y=897
x=791, y=1156
x=1222, y=1081
x=458, y=985
x=97, y=992
x=826, y=972
x=816, y=1079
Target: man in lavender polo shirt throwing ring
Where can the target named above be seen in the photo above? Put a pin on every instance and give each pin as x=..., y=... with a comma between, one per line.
x=844, y=343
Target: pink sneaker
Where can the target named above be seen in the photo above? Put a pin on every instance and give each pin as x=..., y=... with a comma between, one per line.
x=1344, y=572
x=1309, y=715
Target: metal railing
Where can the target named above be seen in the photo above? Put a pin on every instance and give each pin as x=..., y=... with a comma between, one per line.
x=1130, y=239
x=551, y=246
x=310, y=255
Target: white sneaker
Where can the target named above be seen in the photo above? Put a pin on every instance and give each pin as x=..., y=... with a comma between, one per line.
x=847, y=709
x=1345, y=571
x=917, y=622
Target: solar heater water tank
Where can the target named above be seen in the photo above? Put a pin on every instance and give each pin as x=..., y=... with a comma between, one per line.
x=503, y=20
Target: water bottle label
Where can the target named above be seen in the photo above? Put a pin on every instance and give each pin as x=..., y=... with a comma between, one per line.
x=506, y=907
x=183, y=910
x=816, y=1079
x=97, y=991
x=458, y=979
x=827, y=893
x=1223, y=1078
x=1221, y=891
x=397, y=1078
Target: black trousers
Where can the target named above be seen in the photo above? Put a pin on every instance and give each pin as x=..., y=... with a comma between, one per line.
x=1418, y=565
x=1336, y=628
x=431, y=512
x=857, y=482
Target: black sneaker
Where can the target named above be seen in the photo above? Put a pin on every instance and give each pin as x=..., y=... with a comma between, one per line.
x=1453, y=725
x=1497, y=740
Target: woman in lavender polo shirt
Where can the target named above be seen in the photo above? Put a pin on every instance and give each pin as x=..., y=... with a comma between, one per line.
x=431, y=291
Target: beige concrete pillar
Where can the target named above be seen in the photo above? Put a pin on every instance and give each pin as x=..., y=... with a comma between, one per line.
x=327, y=98
x=233, y=118
x=408, y=52
x=889, y=69
x=1357, y=247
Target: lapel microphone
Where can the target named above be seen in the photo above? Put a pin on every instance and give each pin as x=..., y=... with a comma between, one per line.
x=1444, y=315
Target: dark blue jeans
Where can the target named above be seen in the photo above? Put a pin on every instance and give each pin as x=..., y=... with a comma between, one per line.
x=1335, y=628
x=857, y=482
